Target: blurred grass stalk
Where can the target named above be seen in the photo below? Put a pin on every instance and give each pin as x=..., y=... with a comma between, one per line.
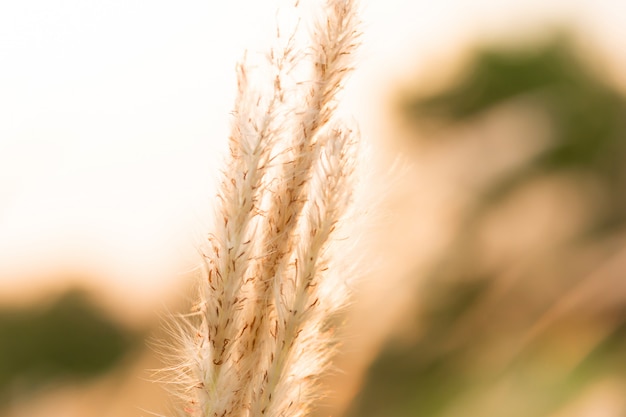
x=261, y=333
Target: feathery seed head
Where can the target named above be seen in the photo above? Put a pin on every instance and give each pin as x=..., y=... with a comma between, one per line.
x=259, y=336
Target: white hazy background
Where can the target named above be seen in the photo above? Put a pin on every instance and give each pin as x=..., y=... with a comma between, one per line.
x=113, y=117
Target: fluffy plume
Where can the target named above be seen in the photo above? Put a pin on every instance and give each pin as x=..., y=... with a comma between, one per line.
x=261, y=332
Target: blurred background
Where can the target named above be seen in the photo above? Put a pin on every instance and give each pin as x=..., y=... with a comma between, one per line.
x=498, y=236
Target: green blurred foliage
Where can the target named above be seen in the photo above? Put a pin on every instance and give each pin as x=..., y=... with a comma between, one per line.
x=490, y=347
x=64, y=341
x=588, y=116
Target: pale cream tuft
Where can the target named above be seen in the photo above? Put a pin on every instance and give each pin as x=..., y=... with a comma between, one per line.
x=261, y=333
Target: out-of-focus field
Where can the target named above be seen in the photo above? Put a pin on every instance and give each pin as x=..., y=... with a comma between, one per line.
x=494, y=263
x=522, y=310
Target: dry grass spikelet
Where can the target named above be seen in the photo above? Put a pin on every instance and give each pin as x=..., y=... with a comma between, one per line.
x=259, y=336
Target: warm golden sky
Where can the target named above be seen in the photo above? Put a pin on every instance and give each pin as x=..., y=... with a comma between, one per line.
x=113, y=114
